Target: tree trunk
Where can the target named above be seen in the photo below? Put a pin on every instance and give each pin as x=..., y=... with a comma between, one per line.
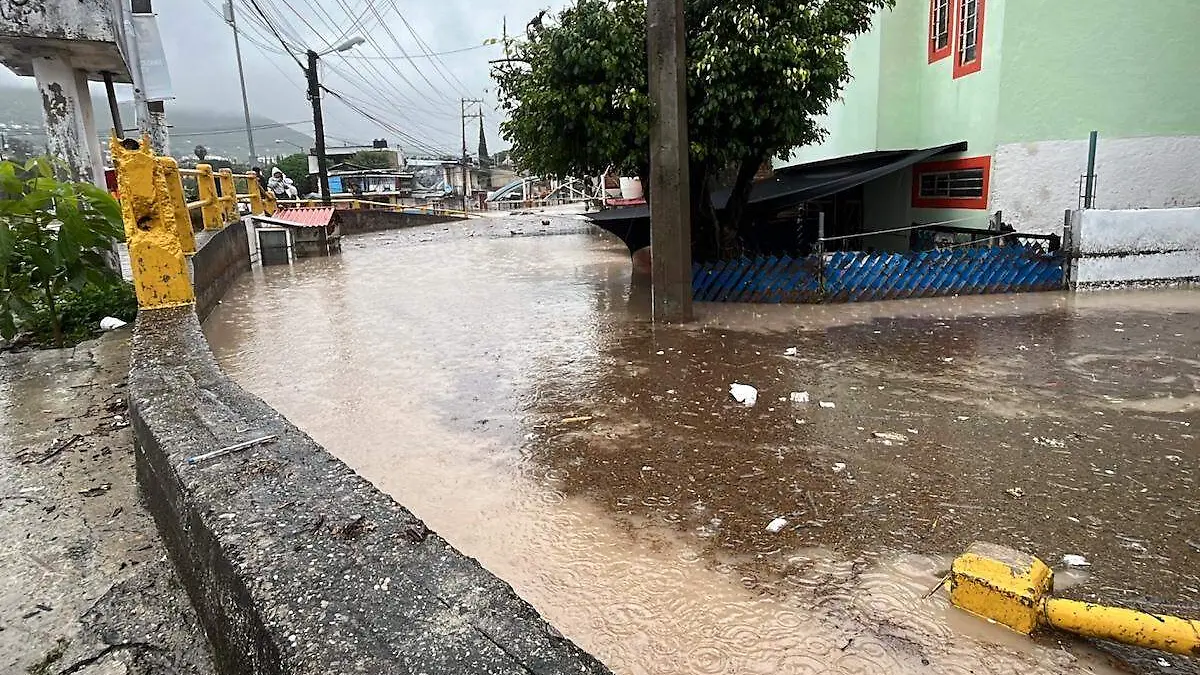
x=736, y=207
x=55, y=322
x=706, y=234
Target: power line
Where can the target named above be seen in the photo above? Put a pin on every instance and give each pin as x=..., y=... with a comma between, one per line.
x=438, y=64
x=425, y=55
x=416, y=143
x=272, y=125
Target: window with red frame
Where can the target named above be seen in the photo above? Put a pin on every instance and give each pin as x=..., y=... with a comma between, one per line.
x=968, y=38
x=941, y=24
x=953, y=184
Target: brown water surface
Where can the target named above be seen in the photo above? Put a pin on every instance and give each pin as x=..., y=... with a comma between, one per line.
x=500, y=379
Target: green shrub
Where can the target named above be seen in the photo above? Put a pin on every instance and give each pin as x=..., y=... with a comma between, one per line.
x=56, y=253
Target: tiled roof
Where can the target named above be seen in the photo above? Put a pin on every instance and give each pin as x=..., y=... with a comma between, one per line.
x=306, y=216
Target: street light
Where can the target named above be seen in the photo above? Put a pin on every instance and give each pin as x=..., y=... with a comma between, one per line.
x=299, y=147
x=314, y=95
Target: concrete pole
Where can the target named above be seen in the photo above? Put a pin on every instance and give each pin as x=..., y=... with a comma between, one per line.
x=70, y=123
x=231, y=19
x=670, y=207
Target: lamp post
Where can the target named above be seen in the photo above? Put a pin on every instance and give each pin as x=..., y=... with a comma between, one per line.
x=299, y=147
x=314, y=95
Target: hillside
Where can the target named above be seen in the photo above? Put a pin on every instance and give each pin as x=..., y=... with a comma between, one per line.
x=222, y=132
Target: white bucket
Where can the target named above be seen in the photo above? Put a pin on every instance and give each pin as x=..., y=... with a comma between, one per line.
x=631, y=188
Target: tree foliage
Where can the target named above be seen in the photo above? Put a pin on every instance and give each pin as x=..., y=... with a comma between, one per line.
x=760, y=73
x=55, y=240
x=370, y=159
x=201, y=152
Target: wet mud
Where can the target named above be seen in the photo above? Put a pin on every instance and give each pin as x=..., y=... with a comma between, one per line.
x=502, y=380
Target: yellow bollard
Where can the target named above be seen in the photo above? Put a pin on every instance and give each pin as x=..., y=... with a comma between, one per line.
x=229, y=210
x=183, y=221
x=255, y=191
x=160, y=272
x=211, y=208
x=1013, y=589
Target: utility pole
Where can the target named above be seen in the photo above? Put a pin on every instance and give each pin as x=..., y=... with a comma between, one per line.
x=466, y=180
x=670, y=204
x=231, y=19
x=314, y=95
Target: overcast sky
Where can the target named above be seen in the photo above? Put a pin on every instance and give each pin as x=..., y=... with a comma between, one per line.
x=199, y=48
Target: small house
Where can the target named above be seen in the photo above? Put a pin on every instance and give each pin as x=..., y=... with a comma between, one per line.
x=306, y=231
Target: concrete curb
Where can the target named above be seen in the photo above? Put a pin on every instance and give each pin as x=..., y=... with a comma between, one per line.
x=294, y=563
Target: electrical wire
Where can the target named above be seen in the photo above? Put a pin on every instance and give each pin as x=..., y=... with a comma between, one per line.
x=416, y=143
x=425, y=55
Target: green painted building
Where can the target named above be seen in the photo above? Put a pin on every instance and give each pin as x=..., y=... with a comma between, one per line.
x=1022, y=83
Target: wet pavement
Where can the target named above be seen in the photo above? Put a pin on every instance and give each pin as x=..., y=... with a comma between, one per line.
x=501, y=379
x=88, y=587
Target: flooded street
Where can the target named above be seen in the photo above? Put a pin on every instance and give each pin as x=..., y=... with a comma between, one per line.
x=501, y=379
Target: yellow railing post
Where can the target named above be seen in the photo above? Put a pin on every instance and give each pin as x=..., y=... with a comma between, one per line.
x=255, y=191
x=210, y=208
x=183, y=221
x=270, y=206
x=160, y=272
x=229, y=210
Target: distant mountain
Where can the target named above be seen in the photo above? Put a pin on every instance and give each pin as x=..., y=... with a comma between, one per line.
x=222, y=132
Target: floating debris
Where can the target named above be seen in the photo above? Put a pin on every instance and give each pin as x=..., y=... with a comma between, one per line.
x=777, y=525
x=744, y=394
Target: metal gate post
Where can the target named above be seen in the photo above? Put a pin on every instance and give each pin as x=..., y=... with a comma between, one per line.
x=821, y=257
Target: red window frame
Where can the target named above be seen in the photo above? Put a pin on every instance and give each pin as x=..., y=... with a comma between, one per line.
x=978, y=203
x=962, y=69
x=936, y=54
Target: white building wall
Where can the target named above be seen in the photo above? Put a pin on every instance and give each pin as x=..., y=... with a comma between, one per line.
x=1148, y=245
x=1035, y=183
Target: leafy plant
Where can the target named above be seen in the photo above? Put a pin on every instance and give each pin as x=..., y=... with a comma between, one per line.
x=55, y=237
x=760, y=73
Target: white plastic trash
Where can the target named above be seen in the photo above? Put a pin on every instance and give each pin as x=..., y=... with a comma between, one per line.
x=790, y=351
x=777, y=525
x=744, y=394
x=799, y=397
x=110, y=323
x=1073, y=560
x=828, y=404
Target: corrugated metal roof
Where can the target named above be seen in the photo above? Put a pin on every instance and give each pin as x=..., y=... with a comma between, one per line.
x=306, y=216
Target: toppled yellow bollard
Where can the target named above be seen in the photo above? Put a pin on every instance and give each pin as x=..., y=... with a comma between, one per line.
x=183, y=221
x=1013, y=589
x=160, y=272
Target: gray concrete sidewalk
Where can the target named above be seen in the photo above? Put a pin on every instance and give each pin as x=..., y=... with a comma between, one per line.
x=90, y=589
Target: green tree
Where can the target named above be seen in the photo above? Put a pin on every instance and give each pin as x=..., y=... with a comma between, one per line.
x=295, y=166
x=371, y=159
x=55, y=238
x=759, y=75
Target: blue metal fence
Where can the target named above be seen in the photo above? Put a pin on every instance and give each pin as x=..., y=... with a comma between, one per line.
x=850, y=276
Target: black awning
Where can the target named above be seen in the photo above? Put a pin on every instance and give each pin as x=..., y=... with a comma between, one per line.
x=794, y=185
x=789, y=187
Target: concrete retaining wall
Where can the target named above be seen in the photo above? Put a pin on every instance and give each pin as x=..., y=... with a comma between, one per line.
x=1133, y=247
x=359, y=221
x=295, y=563
x=220, y=258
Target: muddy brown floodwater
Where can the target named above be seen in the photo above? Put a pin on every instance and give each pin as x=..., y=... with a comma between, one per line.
x=500, y=379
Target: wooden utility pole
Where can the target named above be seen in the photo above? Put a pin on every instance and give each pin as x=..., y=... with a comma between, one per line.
x=670, y=206
x=314, y=95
